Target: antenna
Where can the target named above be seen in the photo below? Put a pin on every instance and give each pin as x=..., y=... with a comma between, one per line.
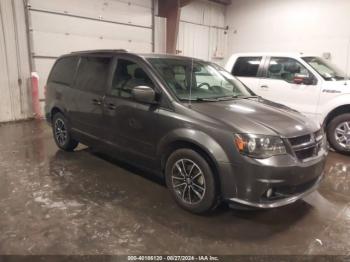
x=191, y=76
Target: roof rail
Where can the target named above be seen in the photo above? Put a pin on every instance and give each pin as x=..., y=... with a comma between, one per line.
x=97, y=51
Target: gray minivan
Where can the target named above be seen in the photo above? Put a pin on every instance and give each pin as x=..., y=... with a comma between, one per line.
x=189, y=121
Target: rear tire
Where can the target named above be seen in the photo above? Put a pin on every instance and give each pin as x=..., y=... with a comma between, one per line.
x=191, y=181
x=61, y=133
x=338, y=133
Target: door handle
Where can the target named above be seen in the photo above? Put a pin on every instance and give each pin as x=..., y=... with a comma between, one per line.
x=264, y=86
x=97, y=102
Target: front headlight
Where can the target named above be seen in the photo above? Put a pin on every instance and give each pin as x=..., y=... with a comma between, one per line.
x=319, y=135
x=259, y=146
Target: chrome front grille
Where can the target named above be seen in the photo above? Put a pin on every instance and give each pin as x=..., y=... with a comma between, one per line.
x=306, y=146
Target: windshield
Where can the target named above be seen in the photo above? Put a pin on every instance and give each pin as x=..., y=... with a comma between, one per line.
x=194, y=80
x=326, y=70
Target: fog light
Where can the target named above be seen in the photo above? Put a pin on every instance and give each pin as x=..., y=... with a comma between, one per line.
x=269, y=193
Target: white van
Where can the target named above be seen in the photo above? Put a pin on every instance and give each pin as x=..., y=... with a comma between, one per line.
x=308, y=84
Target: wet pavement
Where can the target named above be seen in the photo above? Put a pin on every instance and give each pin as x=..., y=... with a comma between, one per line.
x=53, y=202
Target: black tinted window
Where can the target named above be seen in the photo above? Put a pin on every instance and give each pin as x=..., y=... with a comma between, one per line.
x=247, y=66
x=93, y=73
x=127, y=75
x=64, y=70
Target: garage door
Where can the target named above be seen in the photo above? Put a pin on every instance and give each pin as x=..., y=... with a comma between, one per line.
x=14, y=62
x=59, y=27
x=202, y=31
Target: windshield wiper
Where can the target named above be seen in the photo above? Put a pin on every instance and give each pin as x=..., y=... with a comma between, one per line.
x=236, y=97
x=224, y=98
x=220, y=98
x=247, y=97
x=201, y=99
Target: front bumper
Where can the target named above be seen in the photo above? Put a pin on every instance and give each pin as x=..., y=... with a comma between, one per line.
x=281, y=202
x=288, y=178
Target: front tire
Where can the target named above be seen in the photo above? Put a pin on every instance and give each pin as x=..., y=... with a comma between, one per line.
x=191, y=181
x=338, y=133
x=61, y=133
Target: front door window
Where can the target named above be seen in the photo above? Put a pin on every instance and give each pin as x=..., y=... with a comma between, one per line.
x=128, y=75
x=287, y=69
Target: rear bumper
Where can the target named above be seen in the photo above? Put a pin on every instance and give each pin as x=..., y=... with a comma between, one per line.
x=248, y=182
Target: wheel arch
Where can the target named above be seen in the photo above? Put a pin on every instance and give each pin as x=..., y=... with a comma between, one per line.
x=194, y=140
x=182, y=143
x=56, y=108
x=54, y=111
x=343, y=109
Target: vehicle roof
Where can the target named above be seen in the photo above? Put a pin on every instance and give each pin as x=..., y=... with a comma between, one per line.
x=124, y=51
x=283, y=54
x=155, y=55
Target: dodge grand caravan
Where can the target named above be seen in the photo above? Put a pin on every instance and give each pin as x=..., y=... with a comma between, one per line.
x=305, y=83
x=189, y=121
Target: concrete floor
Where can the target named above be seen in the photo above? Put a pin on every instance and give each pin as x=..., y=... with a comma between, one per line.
x=53, y=202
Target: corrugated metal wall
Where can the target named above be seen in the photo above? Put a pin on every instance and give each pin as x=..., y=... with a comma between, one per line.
x=14, y=62
x=59, y=27
x=202, y=31
x=160, y=35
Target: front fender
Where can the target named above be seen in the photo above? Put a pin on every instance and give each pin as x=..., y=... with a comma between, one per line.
x=199, y=138
x=226, y=178
x=341, y=100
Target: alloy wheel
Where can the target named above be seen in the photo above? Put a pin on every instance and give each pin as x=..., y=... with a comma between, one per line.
x=188, y=181
x=342, y=135
x=60, y=131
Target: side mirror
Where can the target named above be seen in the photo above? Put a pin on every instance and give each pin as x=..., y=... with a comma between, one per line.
x=303, y=79
x=144, y=94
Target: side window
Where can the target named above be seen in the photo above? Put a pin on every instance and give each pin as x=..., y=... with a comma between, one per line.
x=127, y=75
x=93, y=73
x=64, y=70
x=247, y=66
x=284, y=68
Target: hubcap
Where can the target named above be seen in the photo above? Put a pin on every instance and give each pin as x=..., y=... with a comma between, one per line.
x=60, y=132
x=188, y=181
x=342, y=135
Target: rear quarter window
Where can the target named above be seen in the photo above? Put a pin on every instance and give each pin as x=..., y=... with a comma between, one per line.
x=64, y=70
x=247, y=66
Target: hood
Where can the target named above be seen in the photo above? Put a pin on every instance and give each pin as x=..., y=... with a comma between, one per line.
x=257, y=116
